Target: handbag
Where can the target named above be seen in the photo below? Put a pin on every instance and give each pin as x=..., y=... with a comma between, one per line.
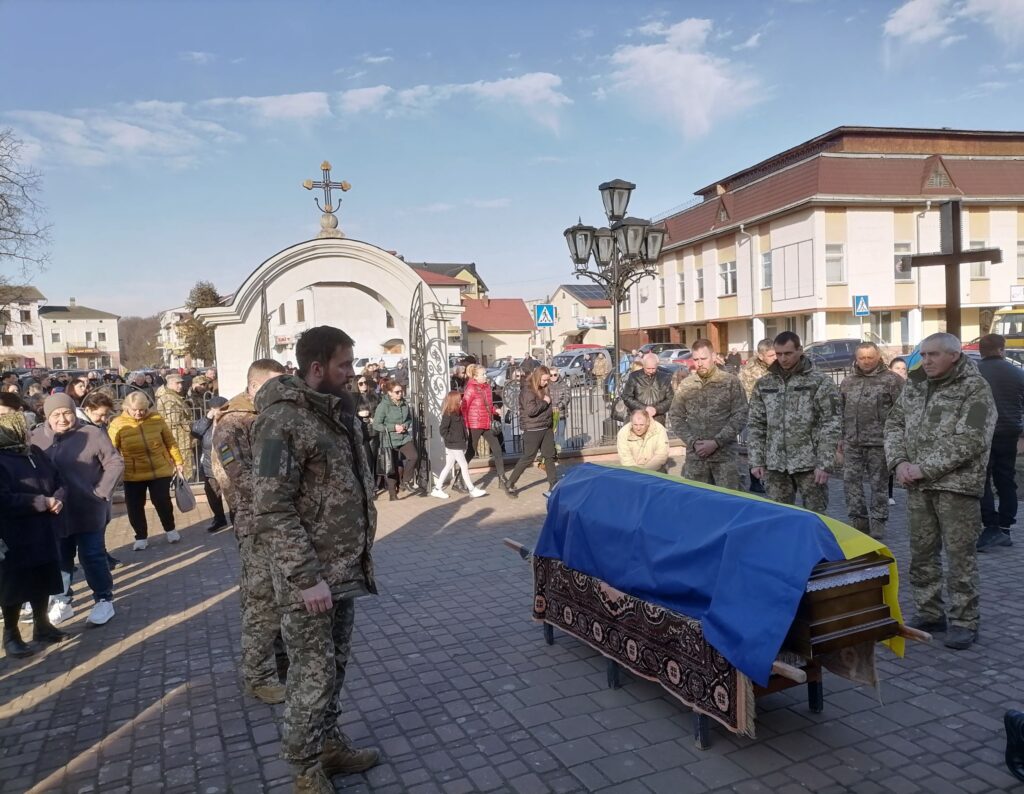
x=496, y=426
x=183, y=496
x=619, y=411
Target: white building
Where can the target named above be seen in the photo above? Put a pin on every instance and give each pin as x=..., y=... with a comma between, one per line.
x=21, y=343
x=79, y=337
x=169, y=339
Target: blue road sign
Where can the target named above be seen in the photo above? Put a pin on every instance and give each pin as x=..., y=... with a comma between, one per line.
x=860, y=306
x=544, y=314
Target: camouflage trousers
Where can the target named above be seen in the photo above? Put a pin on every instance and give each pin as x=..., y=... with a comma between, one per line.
x=940, y=519
x=318, y=650
x=781, y=486
x=261, y=616
x=864, y=467
x=721, y=469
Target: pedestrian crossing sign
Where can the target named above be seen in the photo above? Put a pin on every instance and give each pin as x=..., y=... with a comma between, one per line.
x=544, y=313
x=860, y=306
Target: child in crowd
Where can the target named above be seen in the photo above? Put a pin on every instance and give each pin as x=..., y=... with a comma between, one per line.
x=455, y=435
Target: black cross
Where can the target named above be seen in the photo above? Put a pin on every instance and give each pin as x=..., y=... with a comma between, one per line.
x=951, y=257
x=326, y=184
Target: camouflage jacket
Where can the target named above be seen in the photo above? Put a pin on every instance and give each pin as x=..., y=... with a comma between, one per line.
x=232, y=458
x=177, y=412
x=866, y=399
x=945, y=426
x=312, y=491
x=794, y=420
x=713, y=409
x=751, y=373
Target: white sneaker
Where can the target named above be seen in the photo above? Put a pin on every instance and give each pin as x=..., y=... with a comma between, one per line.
x=173, y=536
x=101, y=613
x=139, y=545
x=476, y=493
x=26, y=612
x=891, y=501
x=437, y=493
x=60, y=611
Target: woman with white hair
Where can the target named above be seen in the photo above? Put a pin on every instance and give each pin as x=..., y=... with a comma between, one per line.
x=151, y=458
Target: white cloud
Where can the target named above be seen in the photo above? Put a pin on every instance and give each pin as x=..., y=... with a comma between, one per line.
x=984, y=89
x=358, y=100
x=690, y=85
x=436, y=207
x=489, y=204
x=921, y=21
x=750, y=43
x=197, y=58
x=304, y=106
x=375, y=59
x=1005, y=18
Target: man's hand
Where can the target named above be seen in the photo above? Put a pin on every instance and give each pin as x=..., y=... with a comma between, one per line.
x=54, y=505
x=399, y=428
x=651, y=411
x=908, y=473
x=820, y=477
x=758, y=472
x=318, y=598
x=839, y=453
x=705, y=449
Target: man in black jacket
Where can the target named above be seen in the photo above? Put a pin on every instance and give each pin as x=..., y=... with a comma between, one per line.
x=1007, y=383
x=649, y=389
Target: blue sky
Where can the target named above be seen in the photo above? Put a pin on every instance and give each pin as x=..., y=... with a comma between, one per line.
x=173, y=137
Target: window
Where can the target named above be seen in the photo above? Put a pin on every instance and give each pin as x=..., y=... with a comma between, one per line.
x=766, y=270
x=300, y=311
x=700, y=283
x=104, y=361
x=26, y=340
x=978, y=269
x=835, y=264
x=58, y=362
x=26, y=316
x=389, y=321
x=575, y=310
x=101, y=336
x=8, y=340
x=88, y=336
x=1020, y=259
x=661, y=292
x=727, y=275
x=55, y=337
x=881, y=327
x=681, y=286
x=898, y=251
x=72, y=362
x=280, y=314
x=624, y=307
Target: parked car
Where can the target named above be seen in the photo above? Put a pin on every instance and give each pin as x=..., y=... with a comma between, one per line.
x=832, y=353
x=672, y=353
x=569, y=363
x=655, y=347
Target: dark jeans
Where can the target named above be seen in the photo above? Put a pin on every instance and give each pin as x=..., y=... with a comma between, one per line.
x=534, y=440
x=1001, y=479
x=92, y=553
x=212, y=489
x=406, y=457
x=135, y=503
x=492, y=441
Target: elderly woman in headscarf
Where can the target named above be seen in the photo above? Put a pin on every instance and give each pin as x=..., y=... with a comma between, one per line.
x=90, y=469
x=31, y=501
x=151, y=456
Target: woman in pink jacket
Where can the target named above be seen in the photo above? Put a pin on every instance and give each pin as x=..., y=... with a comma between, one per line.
x=478, y=410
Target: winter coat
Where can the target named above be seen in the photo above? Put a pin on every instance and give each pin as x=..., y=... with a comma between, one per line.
x=312, y=492
x=751, y=373
x=90, y=469
x=945, y=426
x=202, y=431
x=534, y=411
x=866, y=399
x=643, y=390
x=388, y=414
x=795, y=422
x=453, y=431
x=601, y=367
x=27, y=528
x=147, y=446
x=478, y=405
x=1007, y=383
x=649, y=451
x=709, y=409
x=367, y=402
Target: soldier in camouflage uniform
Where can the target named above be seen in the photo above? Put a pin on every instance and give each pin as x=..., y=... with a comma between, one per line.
x=707, y=413
x=868, y=394
x=794, y=427
x=313, y=506
x=751, y=372
x=232, y=467
x=937, y=440
x=177, y=413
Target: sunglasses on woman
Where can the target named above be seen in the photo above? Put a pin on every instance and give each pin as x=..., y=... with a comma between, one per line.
x=361, y=383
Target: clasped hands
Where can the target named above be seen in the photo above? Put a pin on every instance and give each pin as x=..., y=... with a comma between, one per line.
x=908, y=473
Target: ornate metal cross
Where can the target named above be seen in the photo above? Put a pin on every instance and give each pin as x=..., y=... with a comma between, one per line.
x=951, y=257
x=326, y=184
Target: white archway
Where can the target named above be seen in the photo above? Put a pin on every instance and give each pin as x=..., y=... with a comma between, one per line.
x=350, y=263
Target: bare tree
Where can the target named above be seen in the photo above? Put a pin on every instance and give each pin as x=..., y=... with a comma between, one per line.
x=24, y=234
x=139, y=341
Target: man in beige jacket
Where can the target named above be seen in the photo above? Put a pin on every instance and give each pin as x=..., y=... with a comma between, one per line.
x=643, y=442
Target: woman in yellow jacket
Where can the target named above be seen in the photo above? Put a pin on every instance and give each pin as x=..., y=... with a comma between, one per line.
x=151, y=457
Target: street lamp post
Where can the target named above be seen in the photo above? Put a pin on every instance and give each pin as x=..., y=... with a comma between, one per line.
x=622, y=253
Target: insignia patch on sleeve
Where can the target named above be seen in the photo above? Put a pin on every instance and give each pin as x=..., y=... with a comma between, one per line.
x=270, y=458
x=226, y=454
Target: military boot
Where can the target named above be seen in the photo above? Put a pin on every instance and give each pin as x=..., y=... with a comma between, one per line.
x=312, y=780
x=861, y=524
x=270, y=693
x=341, y=758
x=878, y=530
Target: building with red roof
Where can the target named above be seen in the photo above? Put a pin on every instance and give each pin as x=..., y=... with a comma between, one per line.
x=496, y=328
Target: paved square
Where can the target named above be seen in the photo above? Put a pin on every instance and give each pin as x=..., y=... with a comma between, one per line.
x=453, y=680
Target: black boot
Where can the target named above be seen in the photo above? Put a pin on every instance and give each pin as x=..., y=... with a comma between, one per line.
x=510, y=490
x=502, y=482
x=45, y=632
x=14, y=646
x=1014, y=722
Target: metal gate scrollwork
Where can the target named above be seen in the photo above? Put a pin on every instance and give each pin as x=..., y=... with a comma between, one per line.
x=428, y=383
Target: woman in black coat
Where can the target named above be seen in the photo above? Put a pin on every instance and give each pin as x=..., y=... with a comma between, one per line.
x=31, y=499
x=366, y=402
x=535, y=415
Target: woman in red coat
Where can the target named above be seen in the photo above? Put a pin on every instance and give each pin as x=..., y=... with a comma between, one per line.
x=478, y=410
